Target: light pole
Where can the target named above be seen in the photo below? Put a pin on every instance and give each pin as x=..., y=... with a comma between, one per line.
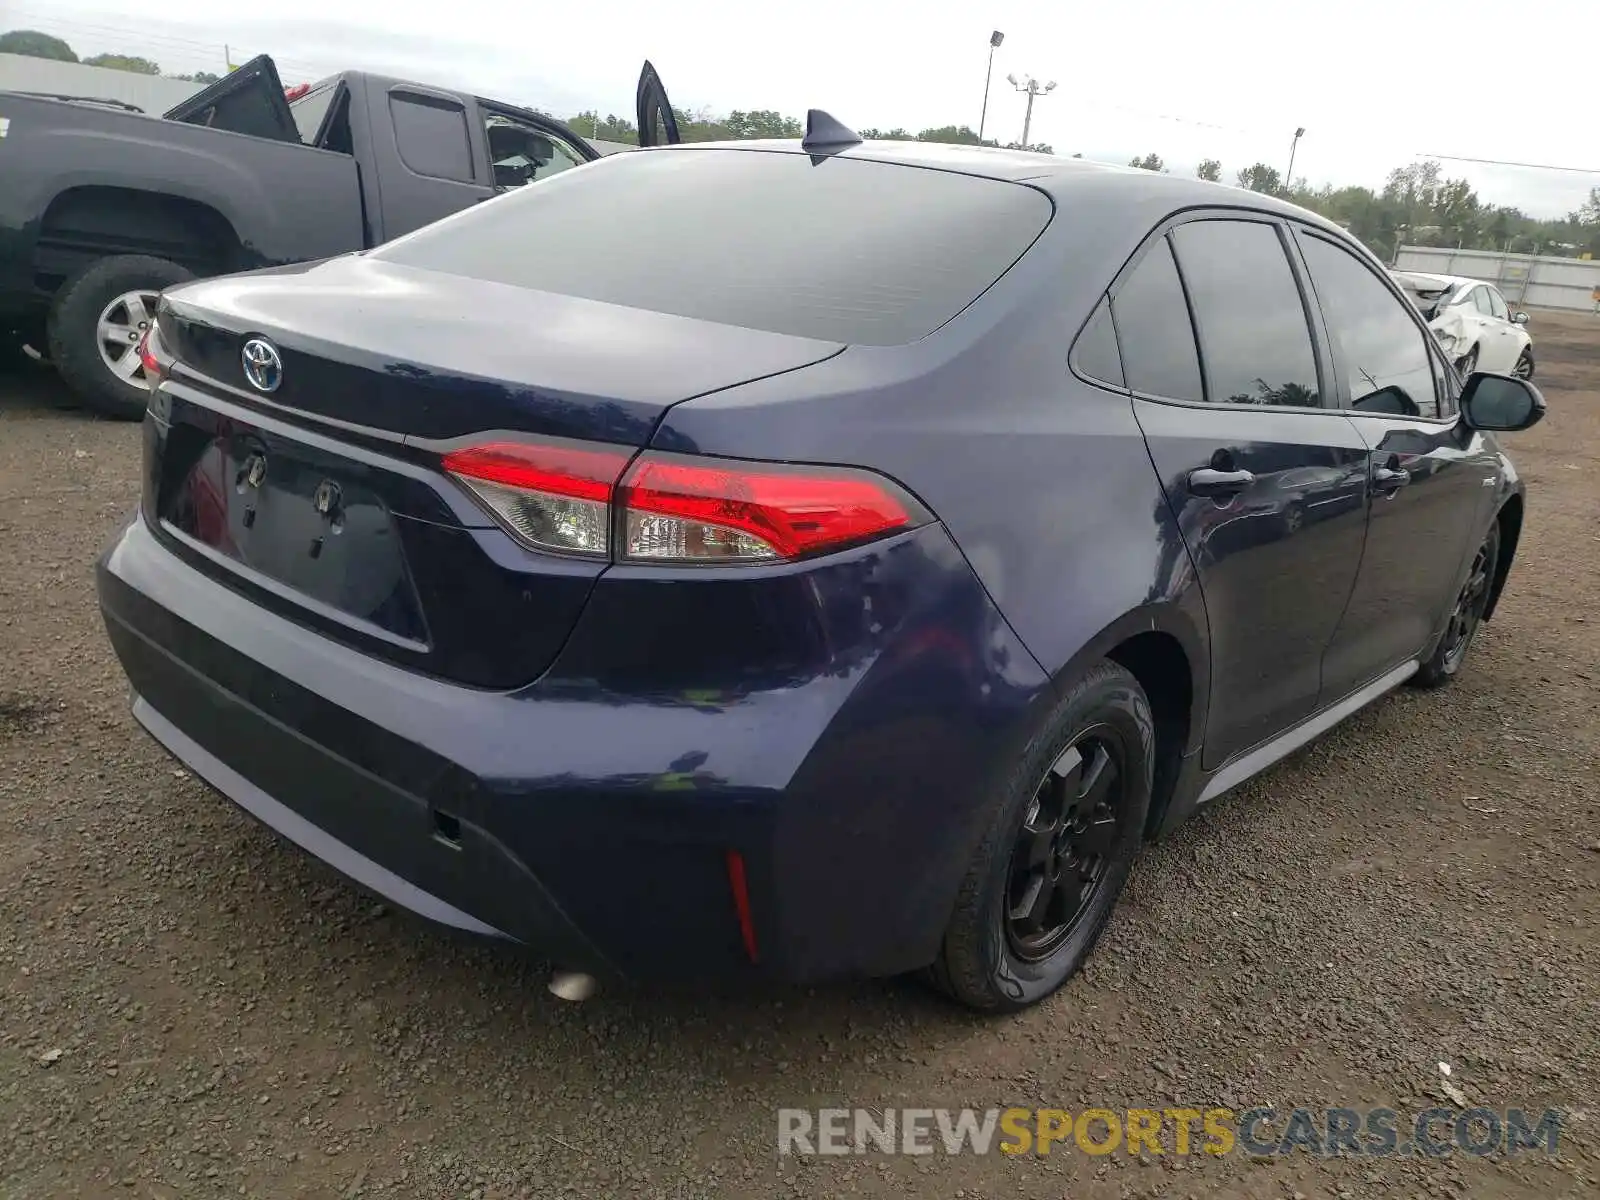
x=995, y=39
x=1288, y=180
x=1033, y=88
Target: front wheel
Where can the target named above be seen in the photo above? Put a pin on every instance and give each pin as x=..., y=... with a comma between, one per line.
x=1057, y=852
x=1468, y=362
x=1524, y=367
x=1465, y=616
x=95, y=325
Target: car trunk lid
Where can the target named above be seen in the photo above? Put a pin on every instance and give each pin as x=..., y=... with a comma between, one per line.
x=323, y=497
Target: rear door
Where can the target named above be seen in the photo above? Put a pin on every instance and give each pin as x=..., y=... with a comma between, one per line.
x=658, y=125
x=1506, y=339
x=1266, y=484
x=1429, y=476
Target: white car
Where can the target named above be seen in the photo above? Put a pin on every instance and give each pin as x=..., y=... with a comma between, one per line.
x=1472, y=322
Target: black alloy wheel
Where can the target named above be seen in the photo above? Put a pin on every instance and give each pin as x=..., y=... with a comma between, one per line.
x=1064, y=845
x=1064, y=827
x=1466, y=615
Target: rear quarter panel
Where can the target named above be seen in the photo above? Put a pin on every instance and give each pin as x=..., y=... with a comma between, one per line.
x=1043, y=480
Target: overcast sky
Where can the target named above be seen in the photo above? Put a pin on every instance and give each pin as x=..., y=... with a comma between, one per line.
x=1376, y=83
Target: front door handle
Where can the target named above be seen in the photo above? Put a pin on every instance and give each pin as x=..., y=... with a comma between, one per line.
x=1208, y=481
x=1389, y=479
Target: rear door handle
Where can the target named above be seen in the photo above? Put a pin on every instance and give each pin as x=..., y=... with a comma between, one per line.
x=1389, y=479
x=1208, y=481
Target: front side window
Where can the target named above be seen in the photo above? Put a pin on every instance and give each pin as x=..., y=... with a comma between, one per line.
x=430, y=134
x=1480, y=298
x=1153, y=328
x=521, y=153
x=1497, y=304
x=1382, y=352
x=1254, y=338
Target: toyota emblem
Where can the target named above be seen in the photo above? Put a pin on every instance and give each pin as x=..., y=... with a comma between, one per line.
x=326, y=498
x=262, y=366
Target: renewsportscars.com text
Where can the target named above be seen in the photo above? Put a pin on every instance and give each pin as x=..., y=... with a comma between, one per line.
x=1262, y=1131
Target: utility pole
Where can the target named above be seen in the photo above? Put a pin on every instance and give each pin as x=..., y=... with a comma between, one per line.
x=1288, y=180
x=995, y=39
x=1032, y=88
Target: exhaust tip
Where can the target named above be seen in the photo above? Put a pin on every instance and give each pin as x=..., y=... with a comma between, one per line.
x=573, y=985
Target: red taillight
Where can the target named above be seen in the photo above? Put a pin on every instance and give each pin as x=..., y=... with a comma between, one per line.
x=696, y=509
x=154, y=357
x=553, y=497
x=672, y=508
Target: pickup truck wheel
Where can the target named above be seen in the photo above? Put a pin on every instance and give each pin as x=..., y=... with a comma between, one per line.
x=95, y=325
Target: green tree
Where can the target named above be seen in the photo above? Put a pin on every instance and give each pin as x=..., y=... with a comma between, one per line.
x=897, y=134
x=1209, y=168
x=609, y=128
x=763, y=123
x=123, y=62
x=36, y=45
x=1150, y=162
x=1032, y=147
x=955, y=135
x=205, y=77
x=1589, y=211
x=1259, y=177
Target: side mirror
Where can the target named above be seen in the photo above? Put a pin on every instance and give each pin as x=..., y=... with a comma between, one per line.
x=1500, y=403
x=1519, y=318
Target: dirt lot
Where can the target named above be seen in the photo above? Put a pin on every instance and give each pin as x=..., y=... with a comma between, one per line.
x=190, y=1008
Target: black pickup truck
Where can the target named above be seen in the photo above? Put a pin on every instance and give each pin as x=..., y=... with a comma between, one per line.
x=103, y=206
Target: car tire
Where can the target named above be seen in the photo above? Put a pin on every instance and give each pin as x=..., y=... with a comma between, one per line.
x=1468, y=362
x=87, y=303
x=1466, y=615
x=1524, y=366
x=991, y=961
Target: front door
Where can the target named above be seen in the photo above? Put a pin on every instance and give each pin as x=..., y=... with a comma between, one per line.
x=1268, y=487
x=1429, y=477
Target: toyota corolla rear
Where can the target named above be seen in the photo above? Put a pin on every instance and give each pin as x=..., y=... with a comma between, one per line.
x=418, y=582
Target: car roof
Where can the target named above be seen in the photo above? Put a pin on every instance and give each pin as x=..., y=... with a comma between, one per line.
x=1063, y=178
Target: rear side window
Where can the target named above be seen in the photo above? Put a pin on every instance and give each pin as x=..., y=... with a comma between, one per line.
x=1380, y=348
x=310, y=109
x=1097, y=355
x=431, y=136
x=1254, y=339
x=1157, y=340
x=845, y=250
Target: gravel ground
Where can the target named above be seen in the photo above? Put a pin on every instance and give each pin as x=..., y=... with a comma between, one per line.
x=190, y=1008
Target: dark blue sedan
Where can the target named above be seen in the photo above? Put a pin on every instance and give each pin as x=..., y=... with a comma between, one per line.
x=798, y=560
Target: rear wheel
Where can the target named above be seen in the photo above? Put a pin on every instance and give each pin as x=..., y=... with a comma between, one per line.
x=95, y=325
x=1465, y=616
x=1057, y=851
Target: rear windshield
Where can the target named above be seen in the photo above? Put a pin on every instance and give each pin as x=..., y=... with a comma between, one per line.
x=845, y=250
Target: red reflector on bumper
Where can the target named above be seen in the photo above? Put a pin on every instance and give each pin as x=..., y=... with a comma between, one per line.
x=741, y=903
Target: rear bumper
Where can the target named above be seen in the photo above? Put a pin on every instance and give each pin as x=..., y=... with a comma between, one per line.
x=593, y=823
